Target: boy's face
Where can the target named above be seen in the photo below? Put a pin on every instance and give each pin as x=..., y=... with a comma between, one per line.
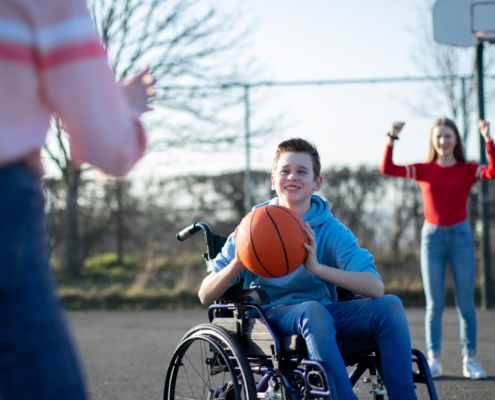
x=294, y=180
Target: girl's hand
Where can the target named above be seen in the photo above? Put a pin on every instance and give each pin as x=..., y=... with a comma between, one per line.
x=396, y=128
x=394, y=131
x=485, y=130
x=139, y=91
x=311, y=264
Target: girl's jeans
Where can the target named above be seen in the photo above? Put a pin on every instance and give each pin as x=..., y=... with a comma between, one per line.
x=37, y=359
x=439, y=244
x=321, y=325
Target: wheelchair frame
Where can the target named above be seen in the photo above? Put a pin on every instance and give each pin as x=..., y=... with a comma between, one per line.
x=285, y=372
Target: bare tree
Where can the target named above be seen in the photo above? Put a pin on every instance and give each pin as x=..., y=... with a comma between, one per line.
x=450, y=62
x=407, y=217
x=353, y=196
x=187, y=43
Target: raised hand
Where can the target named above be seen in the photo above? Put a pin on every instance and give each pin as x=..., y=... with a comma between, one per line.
x=396, y=128
x=394, y=131
x=139, y=91
x=485, y=130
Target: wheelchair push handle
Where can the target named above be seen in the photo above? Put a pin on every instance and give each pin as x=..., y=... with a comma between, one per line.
x=192, y=229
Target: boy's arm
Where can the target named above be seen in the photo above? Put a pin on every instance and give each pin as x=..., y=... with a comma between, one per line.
x=363, y=283
x=215, y=285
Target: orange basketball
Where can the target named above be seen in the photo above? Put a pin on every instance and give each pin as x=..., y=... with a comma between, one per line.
x=270, y=241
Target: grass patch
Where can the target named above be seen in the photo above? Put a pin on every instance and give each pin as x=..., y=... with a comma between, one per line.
x=117, y=298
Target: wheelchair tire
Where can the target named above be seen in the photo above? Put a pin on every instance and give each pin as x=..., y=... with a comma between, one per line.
x=208, y=364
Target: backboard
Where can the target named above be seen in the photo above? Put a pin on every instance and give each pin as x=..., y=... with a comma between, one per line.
x=463, y=22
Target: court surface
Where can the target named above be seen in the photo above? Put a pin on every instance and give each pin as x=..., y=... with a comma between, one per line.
x=125, y=354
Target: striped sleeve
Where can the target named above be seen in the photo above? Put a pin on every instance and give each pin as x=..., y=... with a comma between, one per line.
x=17, y=42
x=67, y=41
x=486, y=172
x=70, y=39
x=389, y=168
x=81, y=89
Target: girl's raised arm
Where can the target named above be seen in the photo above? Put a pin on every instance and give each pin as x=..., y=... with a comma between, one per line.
x=487, y=172
x=388, y=167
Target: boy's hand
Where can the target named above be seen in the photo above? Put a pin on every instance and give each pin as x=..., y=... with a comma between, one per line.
x=311, y=264
x=237, y=263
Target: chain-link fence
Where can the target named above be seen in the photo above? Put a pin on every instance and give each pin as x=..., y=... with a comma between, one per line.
x=119, y=239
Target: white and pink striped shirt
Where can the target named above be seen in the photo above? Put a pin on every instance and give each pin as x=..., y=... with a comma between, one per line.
x=51, y=61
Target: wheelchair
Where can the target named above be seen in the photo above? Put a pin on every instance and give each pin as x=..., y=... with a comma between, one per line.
x=239, y=358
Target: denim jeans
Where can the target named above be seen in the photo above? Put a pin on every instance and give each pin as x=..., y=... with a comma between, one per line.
x=37, y=358
x=439, y=244
x=321, y=325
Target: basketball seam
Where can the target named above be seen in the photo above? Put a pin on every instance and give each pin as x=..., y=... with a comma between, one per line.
x=252, y=243
x=295, y=219
x=281, y=240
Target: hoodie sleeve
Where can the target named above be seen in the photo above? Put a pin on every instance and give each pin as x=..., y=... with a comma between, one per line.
x=345, y=254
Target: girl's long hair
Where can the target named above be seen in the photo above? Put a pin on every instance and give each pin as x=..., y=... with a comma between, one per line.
x=458, y=149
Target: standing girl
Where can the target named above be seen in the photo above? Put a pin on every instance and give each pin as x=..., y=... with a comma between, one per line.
x=445, y=181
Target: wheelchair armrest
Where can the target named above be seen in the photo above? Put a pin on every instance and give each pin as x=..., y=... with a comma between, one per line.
x=258, y=296
x=346, y=295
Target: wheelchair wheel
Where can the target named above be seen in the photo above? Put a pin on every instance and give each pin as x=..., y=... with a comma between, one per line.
x=208, y=364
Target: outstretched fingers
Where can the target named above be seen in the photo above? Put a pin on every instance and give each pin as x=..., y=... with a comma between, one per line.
x=140, y=91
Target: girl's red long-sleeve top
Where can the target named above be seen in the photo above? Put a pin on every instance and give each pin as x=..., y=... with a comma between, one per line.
x=445, y=189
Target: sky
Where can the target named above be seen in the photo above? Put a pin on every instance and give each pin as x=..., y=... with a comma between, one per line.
x=328, y=40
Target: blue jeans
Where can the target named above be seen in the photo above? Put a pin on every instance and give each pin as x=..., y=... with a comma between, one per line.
x=321, y=325
x=439, y=244
x=37, y=358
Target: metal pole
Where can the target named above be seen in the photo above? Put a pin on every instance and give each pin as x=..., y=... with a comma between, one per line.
x=486, y=289
x=247, y=171
x=465, y=133
x=464, y=114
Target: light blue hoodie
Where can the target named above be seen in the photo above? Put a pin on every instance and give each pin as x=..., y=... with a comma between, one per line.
x=336, y=247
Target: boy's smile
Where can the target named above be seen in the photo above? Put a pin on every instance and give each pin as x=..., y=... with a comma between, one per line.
x=294, y=181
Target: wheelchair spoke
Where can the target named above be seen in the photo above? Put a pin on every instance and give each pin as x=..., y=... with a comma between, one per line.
x=206, y=384
x=190, y=387
x=209, y=381
x=184, y=397
x=207, y=367
x=203, y=362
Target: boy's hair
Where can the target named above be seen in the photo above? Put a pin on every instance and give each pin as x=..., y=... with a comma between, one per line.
x=298, y=145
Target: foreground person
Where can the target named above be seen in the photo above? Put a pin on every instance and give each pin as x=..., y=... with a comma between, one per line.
x=51, y=61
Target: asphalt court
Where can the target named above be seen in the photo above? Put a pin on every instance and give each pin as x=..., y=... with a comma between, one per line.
x=125, y=354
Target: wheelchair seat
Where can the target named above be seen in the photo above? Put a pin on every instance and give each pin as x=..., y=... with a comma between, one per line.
x=258, y=339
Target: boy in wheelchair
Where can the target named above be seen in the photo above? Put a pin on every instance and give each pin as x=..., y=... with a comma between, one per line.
x=305, y=302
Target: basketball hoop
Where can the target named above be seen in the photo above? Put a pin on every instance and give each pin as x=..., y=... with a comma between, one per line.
x=485, y=36
x=464, y=23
